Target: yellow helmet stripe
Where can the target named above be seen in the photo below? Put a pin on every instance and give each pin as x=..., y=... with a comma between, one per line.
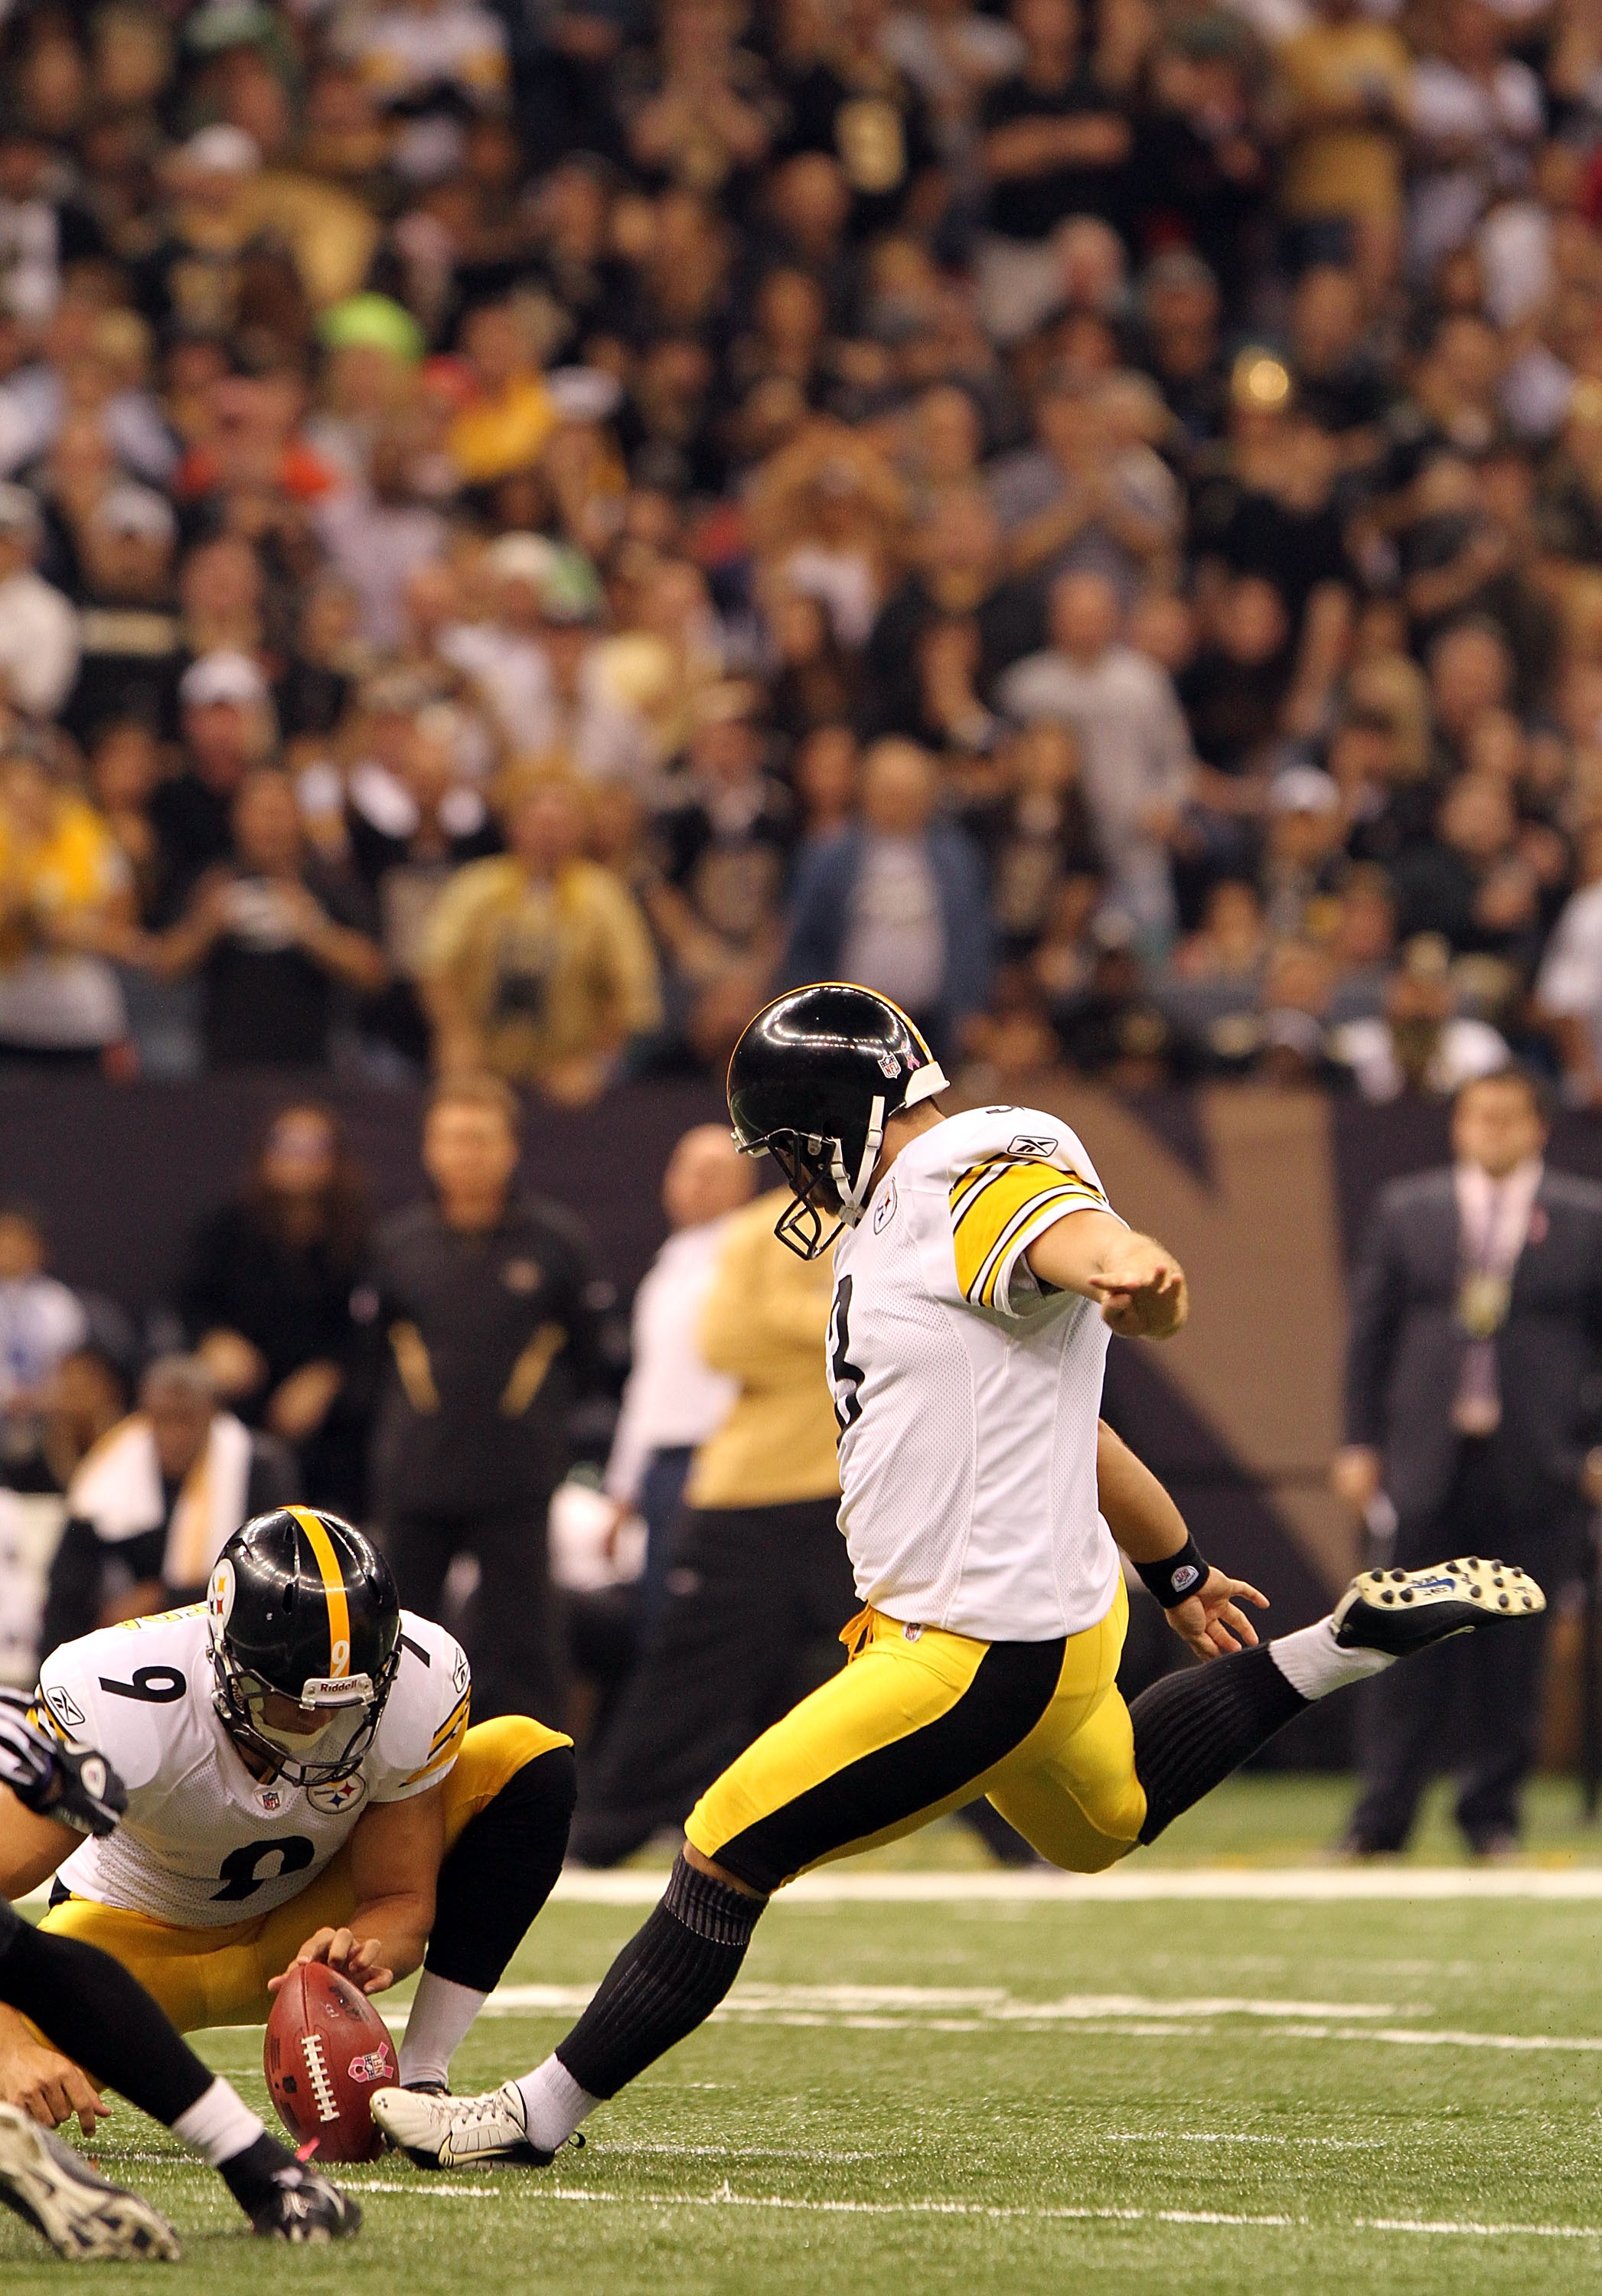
x=333, y=1587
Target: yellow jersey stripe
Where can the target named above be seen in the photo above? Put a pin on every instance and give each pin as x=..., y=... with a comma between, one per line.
x=457, y=1714
x=1030, y=1219
x=971, y=1183
x=441, y=1757
x=44, y=1717
x=333, y=1588
x=990, y=1210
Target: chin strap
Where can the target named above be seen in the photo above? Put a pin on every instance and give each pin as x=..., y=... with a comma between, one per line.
x=853, y=1193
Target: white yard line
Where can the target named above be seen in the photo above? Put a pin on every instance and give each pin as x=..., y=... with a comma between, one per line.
x=421, y=2188
x=1135, y=2016
x=1133, y=1884
x=985, y=2004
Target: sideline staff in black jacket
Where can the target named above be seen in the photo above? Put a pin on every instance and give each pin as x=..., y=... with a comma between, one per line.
x=481, y=1299
x=1472, y=1372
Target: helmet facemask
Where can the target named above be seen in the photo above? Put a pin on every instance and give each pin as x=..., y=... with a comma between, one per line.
x=820, y=1185
x=353, y=1707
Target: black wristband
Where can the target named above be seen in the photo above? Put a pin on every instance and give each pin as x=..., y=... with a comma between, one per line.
x=1178, y=1576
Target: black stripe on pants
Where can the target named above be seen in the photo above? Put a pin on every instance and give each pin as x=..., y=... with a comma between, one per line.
x=1012, y=1686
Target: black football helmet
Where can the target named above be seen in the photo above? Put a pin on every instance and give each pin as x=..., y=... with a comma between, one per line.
x=301, y=1606
x=811, y=1083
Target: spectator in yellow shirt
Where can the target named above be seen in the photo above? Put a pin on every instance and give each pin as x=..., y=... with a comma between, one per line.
x=538, y=963
x=1346, y=80
x=505, y=425
x=66, y=895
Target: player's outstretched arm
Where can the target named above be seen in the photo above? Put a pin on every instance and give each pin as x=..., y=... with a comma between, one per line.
x=395, y=1853
x=1137, y=1283
x=1148, y=1526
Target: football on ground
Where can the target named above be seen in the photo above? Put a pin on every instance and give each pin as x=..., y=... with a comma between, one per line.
x=955, y=2083
x=327, y=2049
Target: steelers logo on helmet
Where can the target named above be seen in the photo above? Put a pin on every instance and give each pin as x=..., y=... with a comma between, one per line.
x=812, y=1083
x=219, y=1595
x=305, y=1625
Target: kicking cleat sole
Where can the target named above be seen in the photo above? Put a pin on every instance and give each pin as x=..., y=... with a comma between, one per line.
x=85, y=2217
x=1403, y=1611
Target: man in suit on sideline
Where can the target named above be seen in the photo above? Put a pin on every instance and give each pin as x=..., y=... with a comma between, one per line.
x=1471, y=1368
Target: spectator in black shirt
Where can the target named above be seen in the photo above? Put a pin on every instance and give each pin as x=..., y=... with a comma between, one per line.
x=1475, y=885
x=959, y=569
x=1339, y=383
x=265, y=1300
x=132, y=639
x=1055, y=144
x=484, y=1301
x=227, y=730
x=272, y=933
x=1181, y=307
x=1284, y=523
x=852, y=103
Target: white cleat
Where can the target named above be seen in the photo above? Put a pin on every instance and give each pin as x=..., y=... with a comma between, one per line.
x=82, y=2216
x=458, y=2132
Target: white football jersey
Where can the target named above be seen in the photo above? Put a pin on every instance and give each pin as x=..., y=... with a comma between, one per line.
x=204, y=1843
x=967, y=1397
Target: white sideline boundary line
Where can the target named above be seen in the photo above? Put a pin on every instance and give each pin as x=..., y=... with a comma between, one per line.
x=579, y=1885
x=1150, y=1885
x=724, y=2198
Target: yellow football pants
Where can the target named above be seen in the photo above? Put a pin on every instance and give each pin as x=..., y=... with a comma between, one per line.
x=920, y=1722
x=220, y=1976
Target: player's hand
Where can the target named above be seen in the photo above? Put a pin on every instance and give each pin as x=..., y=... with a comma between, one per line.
x=1142, y=1289
x=1211, y=1623
x=49, y=2087
x=360, y=1959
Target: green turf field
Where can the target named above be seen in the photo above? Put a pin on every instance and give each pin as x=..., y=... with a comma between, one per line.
x=1003, y=2094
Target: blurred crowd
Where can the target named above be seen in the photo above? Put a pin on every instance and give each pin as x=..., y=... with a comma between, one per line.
x=526, y=524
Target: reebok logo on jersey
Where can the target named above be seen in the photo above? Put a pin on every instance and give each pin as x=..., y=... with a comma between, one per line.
x=65, y=1707
x=1026, y=1145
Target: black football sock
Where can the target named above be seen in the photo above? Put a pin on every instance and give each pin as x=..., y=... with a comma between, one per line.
x=668, y=1979
x=87, y=2006
x=500, y=1870
x=91, y=2009
x=498, y=1875
x=251, y=2175
x=1193, y=1727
